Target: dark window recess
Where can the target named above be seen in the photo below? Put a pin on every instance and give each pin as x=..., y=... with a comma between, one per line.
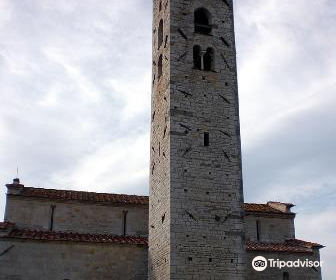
x=258, y=224
x=206, y=139
x=163, y=217
x=202, y=21
x=160, y=6
x=208, y=60
x=285, y=276
x=124, y=223
x=52, y=214
x=197, y=57
x=160, y=34
x=160, y=67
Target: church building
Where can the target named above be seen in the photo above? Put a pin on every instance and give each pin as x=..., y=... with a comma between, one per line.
x=194, y=225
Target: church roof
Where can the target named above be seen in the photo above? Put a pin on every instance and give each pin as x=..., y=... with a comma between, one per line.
x=69, y=195
x=5, y=225
x=290, y=246
x=109, y=198
x=30, y=234
x=265, y=208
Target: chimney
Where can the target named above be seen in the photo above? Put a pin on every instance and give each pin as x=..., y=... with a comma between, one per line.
x=283, y=207
x=15, y=187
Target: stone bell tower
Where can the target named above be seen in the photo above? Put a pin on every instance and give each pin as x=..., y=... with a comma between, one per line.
x=196, y=190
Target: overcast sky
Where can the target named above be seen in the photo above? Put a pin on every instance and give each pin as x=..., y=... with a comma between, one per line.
x=75, y=82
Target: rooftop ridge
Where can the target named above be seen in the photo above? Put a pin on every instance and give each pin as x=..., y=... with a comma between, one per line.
x=31, y=234
x=87, y=196
x=291, y=245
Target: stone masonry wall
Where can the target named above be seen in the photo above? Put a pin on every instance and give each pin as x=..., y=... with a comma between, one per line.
x=76, y=217
x=159, y=199
x=95, y=218
x=29, y=260
x=272, y=228
x=196, y=219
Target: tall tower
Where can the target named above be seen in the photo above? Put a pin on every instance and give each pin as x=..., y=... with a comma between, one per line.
x=196, y=191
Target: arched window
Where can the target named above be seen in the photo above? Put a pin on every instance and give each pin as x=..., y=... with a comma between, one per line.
x=197, y=57
x=202, y=21
x=285, y=276
x=160, y=34
x=208, y=60
x=160, y=67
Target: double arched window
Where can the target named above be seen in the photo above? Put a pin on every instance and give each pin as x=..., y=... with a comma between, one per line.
x=202, y=20
x=208, y=59
x=203, y=60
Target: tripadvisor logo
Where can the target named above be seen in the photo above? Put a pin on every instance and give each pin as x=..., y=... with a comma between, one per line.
x=259, y=263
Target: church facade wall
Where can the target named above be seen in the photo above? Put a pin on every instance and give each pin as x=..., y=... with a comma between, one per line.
x=77, y=217
x=269, y=228
x=31, y=260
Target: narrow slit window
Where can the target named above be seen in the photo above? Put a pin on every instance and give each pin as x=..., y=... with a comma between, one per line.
x=124, y=224
x=206, y=139
x=160, y=67
x=197, y=57
x=258, y=225
x=160, y=34
x=285, y=276
x=52, y=214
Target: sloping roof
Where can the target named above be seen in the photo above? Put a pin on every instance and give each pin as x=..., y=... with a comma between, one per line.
x=69, y=195
x=73, y=237
x=290, y=246
x=109, y=198
x=304, y=243
x=263, y=208
x=5, y=225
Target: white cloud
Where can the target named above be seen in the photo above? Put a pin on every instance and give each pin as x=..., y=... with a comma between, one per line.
x=120, y=166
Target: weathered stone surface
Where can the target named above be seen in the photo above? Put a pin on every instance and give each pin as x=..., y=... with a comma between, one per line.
x=190, y=181
x=73, y=261
x=76, y=217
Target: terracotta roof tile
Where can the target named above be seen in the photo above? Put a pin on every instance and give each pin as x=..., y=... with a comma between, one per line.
x=263, y=208
x=92, y=197
x=5, y=225
x=307, y=244
x=74, y=237
x=69, y=195
x=290, y=246
x=284, y=203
